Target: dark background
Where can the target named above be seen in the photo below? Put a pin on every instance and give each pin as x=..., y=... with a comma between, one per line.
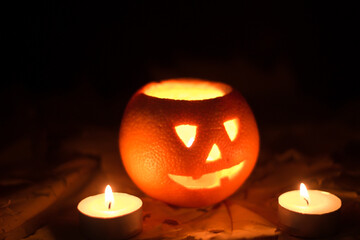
x=69, y=65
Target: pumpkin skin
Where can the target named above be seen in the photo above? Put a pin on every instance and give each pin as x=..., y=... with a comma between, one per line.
x=158, y=160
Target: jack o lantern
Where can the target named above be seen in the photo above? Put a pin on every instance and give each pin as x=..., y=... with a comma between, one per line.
x=188, y=142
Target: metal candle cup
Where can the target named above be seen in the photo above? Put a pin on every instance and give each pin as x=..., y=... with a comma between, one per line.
x=314, y=217
x=117, y=219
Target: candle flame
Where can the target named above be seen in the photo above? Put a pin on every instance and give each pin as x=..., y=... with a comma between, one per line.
x=304, y=193
x=109, y=197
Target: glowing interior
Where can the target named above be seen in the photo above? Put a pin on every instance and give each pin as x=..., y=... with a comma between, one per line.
x=209, y=180
x=186, y=90
x=186, y=133
x=232, y=128
x=214, y=154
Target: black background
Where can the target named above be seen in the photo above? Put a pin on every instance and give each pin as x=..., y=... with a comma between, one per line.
x=67, y=65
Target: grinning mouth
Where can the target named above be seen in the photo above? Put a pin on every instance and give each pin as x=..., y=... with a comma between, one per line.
x=209, y=180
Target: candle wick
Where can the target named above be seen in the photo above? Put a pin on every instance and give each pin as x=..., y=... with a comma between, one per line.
x=110, y=205
x=307, y=202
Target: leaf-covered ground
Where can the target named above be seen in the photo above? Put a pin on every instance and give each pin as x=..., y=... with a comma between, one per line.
x=251, y=213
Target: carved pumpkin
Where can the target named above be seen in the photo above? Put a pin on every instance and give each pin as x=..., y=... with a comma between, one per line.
x=188, y=142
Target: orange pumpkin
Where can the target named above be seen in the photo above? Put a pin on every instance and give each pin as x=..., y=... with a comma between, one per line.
x=188, y=142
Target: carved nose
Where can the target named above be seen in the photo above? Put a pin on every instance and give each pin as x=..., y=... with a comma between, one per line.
x=214, y=154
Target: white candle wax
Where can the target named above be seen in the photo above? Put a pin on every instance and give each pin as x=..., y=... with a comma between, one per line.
x=94, y=206
x=320, y=202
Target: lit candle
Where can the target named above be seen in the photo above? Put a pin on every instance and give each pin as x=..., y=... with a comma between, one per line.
x=110, y=215
x=308, y=213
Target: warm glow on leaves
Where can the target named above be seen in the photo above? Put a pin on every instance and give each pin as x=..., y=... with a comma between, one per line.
x=186, y=133
x=232, y=128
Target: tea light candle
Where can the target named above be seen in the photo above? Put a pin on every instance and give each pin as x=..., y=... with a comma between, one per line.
x=110, y=215
x=310, y=213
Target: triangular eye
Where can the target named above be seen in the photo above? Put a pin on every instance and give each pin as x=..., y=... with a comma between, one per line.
x=186, y=133
x=232, y=128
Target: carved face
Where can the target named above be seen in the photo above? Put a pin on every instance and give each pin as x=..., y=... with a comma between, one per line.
x=187, y=134
x=188, y=142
